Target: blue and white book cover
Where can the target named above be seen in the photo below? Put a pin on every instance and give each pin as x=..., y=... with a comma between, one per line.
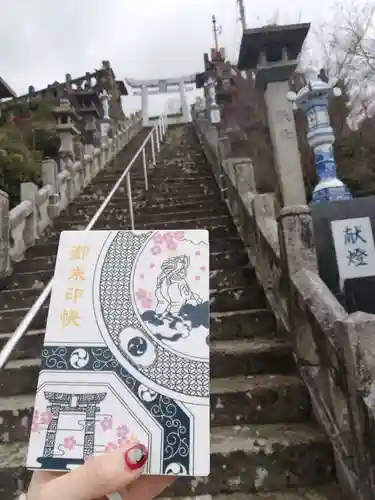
x=126, y=352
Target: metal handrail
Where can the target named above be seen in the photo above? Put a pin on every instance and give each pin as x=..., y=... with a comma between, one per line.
x=159, y=129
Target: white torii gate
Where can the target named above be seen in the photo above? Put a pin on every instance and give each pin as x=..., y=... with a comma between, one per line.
x=144, y=88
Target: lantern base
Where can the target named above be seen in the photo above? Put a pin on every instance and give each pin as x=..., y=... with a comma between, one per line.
x=330, y=190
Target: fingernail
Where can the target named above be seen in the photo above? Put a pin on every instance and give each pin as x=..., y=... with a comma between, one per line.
x=136, y=457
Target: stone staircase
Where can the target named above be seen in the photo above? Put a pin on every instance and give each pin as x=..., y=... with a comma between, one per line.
x=263, y=436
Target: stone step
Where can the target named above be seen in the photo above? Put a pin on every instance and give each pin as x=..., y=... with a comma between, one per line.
x=169, y=174
x=14, y=304
x=228, y=270
x=201, y=188
x=11, y=318
x=182, y=192
x=234, y=401
x=122, y=218
x=262, y=458
x=213, y=213
x=157, y=215
x=228, y=358
x=221, y=300
x=249, y=459
x=120, y=199
x=170, y=186
x=156, y=177
x=31, y=279
x=211, y=223
x=144, y=207
x=252, y=356
x=216, y=226
x=256, y=399
x=221, y=232
x=16, y=414
x=206, y=221
x=101, y=191
x=247, y=323
x=14, y=478
x=35, y=278
x=47, y=247
x=173, y=199
x=231, y=274
x=35, y=265
x=331, y=492
x=29, y=347
x=19, y=376
x=234, y=299
x=235, y=259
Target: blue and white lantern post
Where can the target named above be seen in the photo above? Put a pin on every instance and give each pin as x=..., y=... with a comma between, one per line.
x=313, y=99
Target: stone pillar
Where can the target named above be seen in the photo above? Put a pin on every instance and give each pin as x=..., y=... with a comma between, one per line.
x=273, y=53
x=313, y=99
x=355, y=340
x=297, y=252
x=5, y=266
x=184, y=106
x=49, y=177
x=296, y=238
x=225, y=148
x=49, y=173
x=284, y=141
x=29, y=192
x=144, y=98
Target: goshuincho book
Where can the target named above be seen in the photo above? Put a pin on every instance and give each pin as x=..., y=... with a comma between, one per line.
x=126, y=353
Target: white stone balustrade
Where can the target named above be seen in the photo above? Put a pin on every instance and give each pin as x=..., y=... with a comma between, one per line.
x=21, y=227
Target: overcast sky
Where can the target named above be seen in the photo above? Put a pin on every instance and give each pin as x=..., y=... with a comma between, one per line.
x=42, y=40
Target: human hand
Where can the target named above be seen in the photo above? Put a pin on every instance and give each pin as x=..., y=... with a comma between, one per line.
x=101, y=476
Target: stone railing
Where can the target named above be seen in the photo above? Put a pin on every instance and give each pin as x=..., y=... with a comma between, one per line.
x=24, y=224
x=334, y=351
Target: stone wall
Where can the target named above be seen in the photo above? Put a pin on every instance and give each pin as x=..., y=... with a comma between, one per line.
x=334, y=351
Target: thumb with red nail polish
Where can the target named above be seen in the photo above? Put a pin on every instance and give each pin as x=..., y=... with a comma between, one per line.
x=98, y=477
x=135, y=457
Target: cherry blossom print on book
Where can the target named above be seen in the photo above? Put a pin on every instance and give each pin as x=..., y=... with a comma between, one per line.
x=126, y=355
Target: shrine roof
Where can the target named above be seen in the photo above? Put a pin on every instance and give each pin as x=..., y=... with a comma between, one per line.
x=257, y=40
x=122, y=87
x=199, y=80
x=5, y=90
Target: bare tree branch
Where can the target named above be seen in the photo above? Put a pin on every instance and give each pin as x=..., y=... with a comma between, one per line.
x=345, y=48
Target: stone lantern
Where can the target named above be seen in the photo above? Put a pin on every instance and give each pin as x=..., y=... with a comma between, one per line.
x=66, y=119
x=272, y=52
x=89, y=108
x=313, y=100
x=200, y=104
